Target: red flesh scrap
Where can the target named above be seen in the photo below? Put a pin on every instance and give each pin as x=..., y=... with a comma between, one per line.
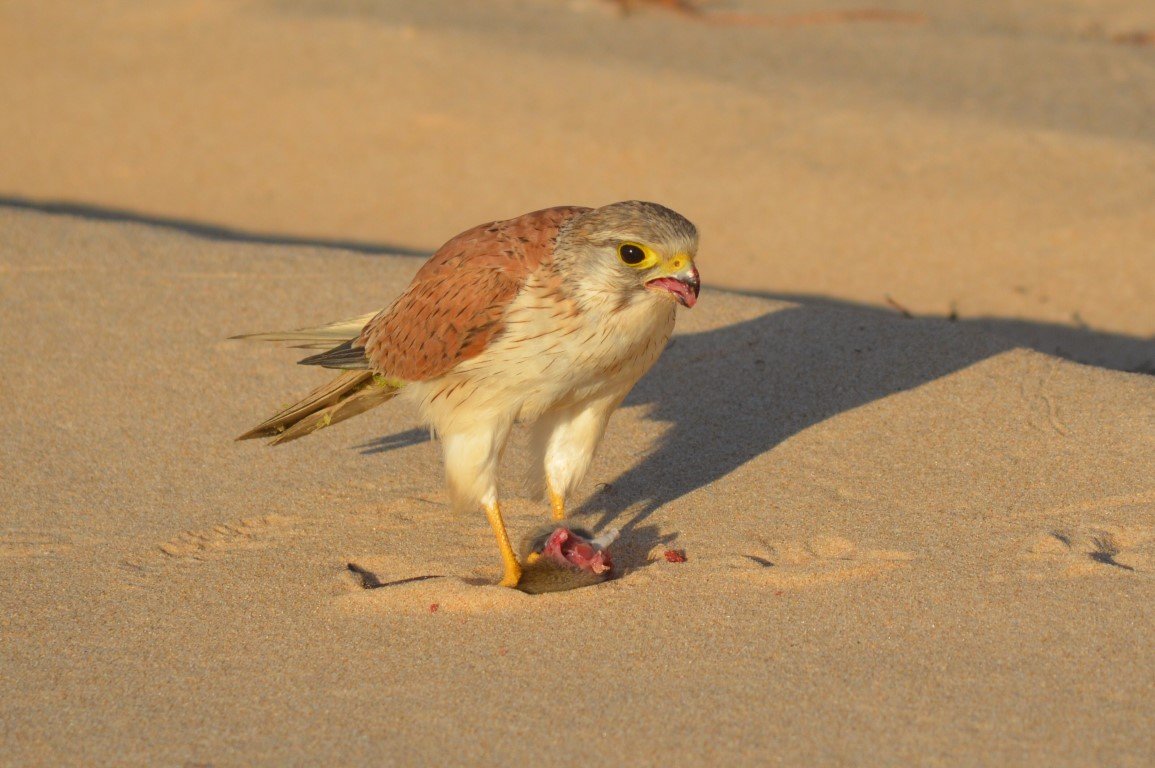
x=569, y=549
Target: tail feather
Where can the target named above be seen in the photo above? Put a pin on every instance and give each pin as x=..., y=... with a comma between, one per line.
x=322, y=337
x=349, y=394
x=347, y=356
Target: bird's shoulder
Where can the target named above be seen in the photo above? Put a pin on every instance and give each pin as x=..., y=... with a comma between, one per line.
x=457, y=300
x=515, y=246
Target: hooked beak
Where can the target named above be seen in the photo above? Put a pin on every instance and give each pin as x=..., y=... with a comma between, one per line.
x=683, y=285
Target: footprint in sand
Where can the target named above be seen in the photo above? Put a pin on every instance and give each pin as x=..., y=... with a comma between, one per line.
x=821, y=560
x=1090, y=551
x=211, y=543
x=32, y=543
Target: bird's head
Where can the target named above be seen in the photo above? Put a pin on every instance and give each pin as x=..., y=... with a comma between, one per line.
x=631, y=251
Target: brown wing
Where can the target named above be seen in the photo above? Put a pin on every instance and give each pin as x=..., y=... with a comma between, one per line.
x=456, y=302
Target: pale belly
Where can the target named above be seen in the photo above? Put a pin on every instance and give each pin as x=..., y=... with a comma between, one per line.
x=543, y=361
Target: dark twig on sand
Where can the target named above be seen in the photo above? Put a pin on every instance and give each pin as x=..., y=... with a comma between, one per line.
x=901, y=309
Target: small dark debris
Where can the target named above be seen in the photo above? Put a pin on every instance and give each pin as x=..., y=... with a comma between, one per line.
x=1106, y=550
x=370, y=580
x=901, y=309
x=1109, y=559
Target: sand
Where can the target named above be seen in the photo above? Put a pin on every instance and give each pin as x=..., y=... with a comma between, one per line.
x=908, y=540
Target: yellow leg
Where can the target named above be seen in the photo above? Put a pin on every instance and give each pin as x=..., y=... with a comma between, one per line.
x=512, y=569
x=557, y=504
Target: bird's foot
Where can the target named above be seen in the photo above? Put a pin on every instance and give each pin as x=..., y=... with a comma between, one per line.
x=512, y=576
x=508, y=557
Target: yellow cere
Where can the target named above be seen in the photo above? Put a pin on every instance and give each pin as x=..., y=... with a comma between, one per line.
x=652, y=259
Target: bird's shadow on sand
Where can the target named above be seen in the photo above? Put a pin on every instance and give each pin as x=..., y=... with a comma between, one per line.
x=733, y=393
x=387, y=443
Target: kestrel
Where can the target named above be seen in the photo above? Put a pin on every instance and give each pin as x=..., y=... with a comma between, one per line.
x=548, y=319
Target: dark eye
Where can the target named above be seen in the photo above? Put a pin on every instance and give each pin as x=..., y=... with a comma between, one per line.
x=631, y=254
